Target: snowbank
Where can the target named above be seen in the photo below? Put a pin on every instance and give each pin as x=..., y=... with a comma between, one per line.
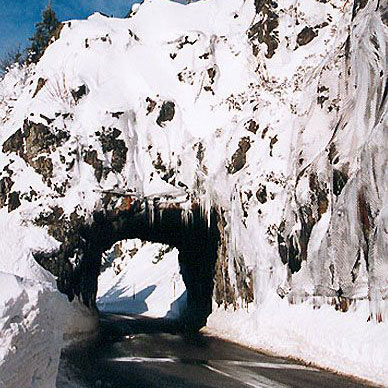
x=31, y=327
x=345, y=343
x=34, y=316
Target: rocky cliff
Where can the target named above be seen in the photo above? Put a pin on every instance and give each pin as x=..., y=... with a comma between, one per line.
x=271, y=113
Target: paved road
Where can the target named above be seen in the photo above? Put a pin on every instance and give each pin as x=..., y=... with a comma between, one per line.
x=136, y=352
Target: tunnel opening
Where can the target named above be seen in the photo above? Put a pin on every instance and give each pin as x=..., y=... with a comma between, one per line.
x=196, y=237
x=141, y=278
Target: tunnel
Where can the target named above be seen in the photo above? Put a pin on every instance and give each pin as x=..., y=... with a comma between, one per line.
x=196, y=238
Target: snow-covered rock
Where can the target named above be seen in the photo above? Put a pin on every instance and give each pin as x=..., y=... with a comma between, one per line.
x=273, y=113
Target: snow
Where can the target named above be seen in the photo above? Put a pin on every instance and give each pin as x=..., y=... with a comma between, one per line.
x=147, y=282
x=342, y=342
x=31, y=332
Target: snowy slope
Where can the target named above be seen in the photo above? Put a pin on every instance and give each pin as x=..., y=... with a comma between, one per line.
x=143, y=279
x=274, y=113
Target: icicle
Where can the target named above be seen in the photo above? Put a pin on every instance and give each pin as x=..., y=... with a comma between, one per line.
x=151, y=212
x=208, y=207
x=184, y=217
x=187, y=214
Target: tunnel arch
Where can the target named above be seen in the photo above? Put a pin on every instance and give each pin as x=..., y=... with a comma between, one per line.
x=194, y=233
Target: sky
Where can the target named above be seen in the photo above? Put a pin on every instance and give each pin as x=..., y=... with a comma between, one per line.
x=18, y=17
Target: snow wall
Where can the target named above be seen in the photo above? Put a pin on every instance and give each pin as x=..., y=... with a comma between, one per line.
x=271, y=113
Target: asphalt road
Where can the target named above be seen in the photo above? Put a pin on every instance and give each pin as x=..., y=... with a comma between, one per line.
x=136, y=352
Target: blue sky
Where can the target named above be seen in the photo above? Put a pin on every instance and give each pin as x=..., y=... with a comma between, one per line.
x=18, y=17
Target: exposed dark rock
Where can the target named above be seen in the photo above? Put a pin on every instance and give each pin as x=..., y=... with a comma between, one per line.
x=29, y=196
x=204, y=56
x=14, y=143
x=289, y=253
x=384, y=12
x=90, y=157
x=357, y=6
x=53, y=219
x=211, y=72
x=167, y=113
x=65, y=229
x=356, y=267
x=34, y=139
x=261, y=194
x=264, y=30
x=318, y=196
x=306, y=36
x=106, y=38
x=38, y=138
x=77, y=94
x=244, y=281
x=252, y=126
x=111, y=143
x=339, y=181
x=307, y=223
x=322, y=95
x=293, y=248
x=224, y=292
x=48, y=120
x=366, y=220
x=6, y=184
x=13, y=201
x=333, y=154
x=43, y=166
x=117, y=115
x=200, y=152
x=151, y=105
x=185, y=40
x=274, y=140
x=239, y=158
x=39, y=86
x=265, y=130
x=133, y=35
x=165, y=173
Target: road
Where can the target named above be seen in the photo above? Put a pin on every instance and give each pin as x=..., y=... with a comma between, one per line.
x=138, y=352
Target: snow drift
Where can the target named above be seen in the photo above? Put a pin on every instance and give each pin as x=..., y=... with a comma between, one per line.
x=271, y=113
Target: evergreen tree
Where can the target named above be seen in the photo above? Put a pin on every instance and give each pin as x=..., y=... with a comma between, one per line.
x=12, y=57
x=43, y=33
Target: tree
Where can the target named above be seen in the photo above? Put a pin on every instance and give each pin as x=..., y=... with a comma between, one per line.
x=12, y=57
x=43, y=33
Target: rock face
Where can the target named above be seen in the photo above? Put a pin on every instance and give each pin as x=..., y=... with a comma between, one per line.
x=271, y=116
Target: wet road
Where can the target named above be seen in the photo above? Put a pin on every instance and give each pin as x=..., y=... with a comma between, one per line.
x=136, y=352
